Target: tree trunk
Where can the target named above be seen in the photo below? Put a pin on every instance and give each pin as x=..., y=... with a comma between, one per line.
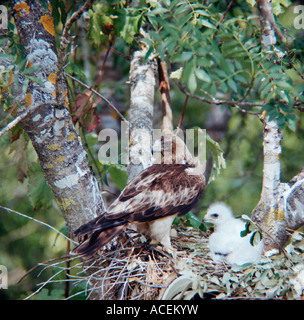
x=281, y=206
x=267, y=213
x=62, y=157
x=143, y=81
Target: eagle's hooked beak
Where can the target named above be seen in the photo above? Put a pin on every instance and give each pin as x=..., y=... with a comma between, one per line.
x=210, y=218
x=206, y=219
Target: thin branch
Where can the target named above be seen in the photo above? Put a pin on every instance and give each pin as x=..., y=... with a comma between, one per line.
x=98, y=94
x=42, y=285
x=213, y=100
x=44, y=263
x=67, y=262
x=99, y=78
x=119, y=54
x=164, y=88
x=226, y=11
x=22, y=116
x=101, y=71
x=40, y=222
x=66, y=32
x=183, y=112
x=239, y=104
x=246, y=111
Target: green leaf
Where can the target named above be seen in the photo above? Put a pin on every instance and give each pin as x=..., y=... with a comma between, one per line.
x=40, y=194
x=246, y=230
x=202, y=12
x=291, y=124
x=224, y=87
x=219, y=162
x=31, y=70
x=255, y=238
x=284, y=85
x=268, y=107
x=179, y=285
x=240, y=78
x=281, y=120
x=207, y=24
x=301, y=97
x=119, y=176
x=221, y=73
x=232, y=85
x=177, y=74
x=299, y=88
x=266, y=90
x=194, y=220
x=273, y=114
x=183, y=57
x=35, y=79
x=202, y=75
x=192, y=83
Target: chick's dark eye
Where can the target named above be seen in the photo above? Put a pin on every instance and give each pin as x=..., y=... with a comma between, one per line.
x=214, y=215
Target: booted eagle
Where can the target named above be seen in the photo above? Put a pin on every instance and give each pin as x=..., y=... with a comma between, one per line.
x=226, y=243
x=151, y=200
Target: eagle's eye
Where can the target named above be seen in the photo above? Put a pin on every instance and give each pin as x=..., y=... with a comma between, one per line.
x=214, y=215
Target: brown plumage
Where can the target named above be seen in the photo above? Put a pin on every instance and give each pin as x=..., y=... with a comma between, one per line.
x=150, y=201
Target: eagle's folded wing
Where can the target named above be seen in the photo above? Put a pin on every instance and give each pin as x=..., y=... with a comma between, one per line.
x=157, y=192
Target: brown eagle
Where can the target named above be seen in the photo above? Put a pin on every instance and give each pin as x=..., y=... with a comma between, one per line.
x=151, y=200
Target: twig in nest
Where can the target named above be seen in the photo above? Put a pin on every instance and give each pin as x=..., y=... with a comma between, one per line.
x=40, y=264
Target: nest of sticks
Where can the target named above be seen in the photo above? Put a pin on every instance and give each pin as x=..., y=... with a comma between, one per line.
x=137, y=270
x=132, y=269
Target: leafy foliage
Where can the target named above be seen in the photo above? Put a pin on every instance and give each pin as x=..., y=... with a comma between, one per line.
x=40, y=193
x=250, y=227
x=213, y=54
x=230, y=63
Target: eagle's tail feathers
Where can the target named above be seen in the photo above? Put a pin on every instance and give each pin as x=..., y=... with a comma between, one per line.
x=97, y=240
x=100, y=223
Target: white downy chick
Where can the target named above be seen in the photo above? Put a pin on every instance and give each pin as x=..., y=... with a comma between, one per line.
x=226, y=243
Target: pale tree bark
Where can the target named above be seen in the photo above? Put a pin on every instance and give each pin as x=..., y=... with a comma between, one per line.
x=270, y=31
x=143, y=82
x=62, y=157
x=281, y=206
